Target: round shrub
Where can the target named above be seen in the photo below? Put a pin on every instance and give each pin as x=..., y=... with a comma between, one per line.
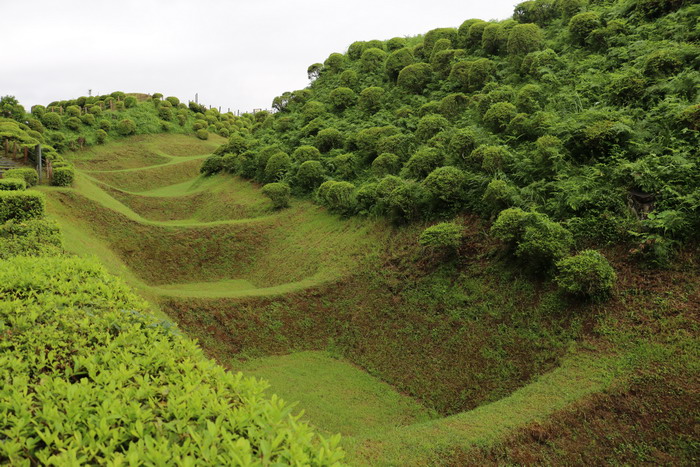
x=30, y=176
x=105, y=125
x=446, y=236
x=329, y=138
x=690, y=117
x=499, y=115
x=52, y=120
x=395, y=43
x=279, y=194
x=341, y=98
x=63, y=176
x=35, y=125
x=88, y=119
x=452, y=105
x=399, y=144
x=334, y=62
x=211, y=165
x=366, y=196
x=101, y=136
x=415, y=77
x=130, y=101
x=310, y=175
x=662, y=62
x=126, y=127
x=499, y=195
x=421, y=163
x=430, y=125
x=355, y=50
x=461, y=145
x=489, y=158
x=397, y=61
x=494, y=38
x=472, y=75
x=165, y=113
x=476, y=33
x=587, y=274
x=38, y=111
x=372, y=60
x=406, y=202
x=73, y=123
x=386, y=164
x=174, y=101
x=338, y=197
x=73, y=111
x=202, y=134
x=525, y=38
x=530, y=98
x=312, y=110
x=348, y=78
x=581, y=26
x=277, y=166
x=94, y=110
x=306, y=153
x=345, y=165
x=371, y=98
x=446, y=186
x=119, y=105
x=435, y=35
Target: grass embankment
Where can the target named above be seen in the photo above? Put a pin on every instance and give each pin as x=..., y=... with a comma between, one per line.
x=448, y=334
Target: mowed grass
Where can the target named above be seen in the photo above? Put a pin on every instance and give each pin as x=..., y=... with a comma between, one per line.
x=141, y=151
x=336, y=396
x=147, y=178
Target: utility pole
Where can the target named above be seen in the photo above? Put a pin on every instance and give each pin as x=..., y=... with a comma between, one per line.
x=89, y=92
x=196, y=98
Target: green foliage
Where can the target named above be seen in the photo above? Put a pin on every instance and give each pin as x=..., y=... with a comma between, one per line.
x=499, y=115
x=535, y=239
x=662, y=62
x=371, y=98
x=424, y=161
x=329, y=138
x=415, y=77
x=372, y=60
x=397, y=61
x=447, y=188
x=341, y=98
x=386, y=164
x=101, y=136
x=126, y=127
x=12, y=184
x=35, y=237
x=587, y=274
x=30, y=176
x=430, y=125
x=130, y=101
x=63, y=176
x=211, y=165
x=472, y=75
x=433, y=36
x=338, y=197
x=494, y=38
x=88, y=119
x=582, y=25
x=73, y=123
x=310, y=175
x=525, y=38
x=306, y=153
x=52, y=121
x=279, y=194
x=21, y=205
x=446, y=236
x=202, y=134
x=277, y=166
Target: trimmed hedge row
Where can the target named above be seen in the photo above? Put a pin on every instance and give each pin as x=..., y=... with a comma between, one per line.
x=28, y=175
x=21, y=205
x=36, y=237
x=12, y=184
x=88, y=377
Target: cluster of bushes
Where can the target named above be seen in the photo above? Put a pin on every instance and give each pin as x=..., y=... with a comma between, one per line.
x=567, y=109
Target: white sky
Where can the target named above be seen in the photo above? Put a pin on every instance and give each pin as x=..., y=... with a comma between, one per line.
x=235, y=54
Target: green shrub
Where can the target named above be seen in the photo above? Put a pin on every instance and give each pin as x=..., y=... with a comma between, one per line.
x=279, y=194
x=345, y=165
x=690, y=117
x=277, y=166
x=12, y=184
x=306, y=153
x=310, y=175
x=202, y=134
x=312, y=110
x=341, y=98
x=662, y=62
x=52, y=120
x=211, y=165
x=174, y=101
x=334, y=62
x=63, y=176
x=73, y=111
x=338, y=197
x=130, y=101
x=489, y=158
x=348, y=78
x=421, y=163
x=82, y=344
x=430, y=125
x=587, y=274
x=461, y=145
x=494, y=38
x=476, y=33
x=35, y=237
x=453, y=105
x=126, y=127
x=88, y=119
x=28, y=175
x=435, y=35
x=406, y=202
x=415, y=77
x=446, y=236
x=231, y=163
x=73, y=123
x=21, y=205
x=499, y=115
x=472, y=75
x=533, y=237
x=372, y=60
x=371, y=98
x=94, y=110
x=386, y=164
x=165, y=113
x=525, y=38
x=581, y=26
x=101, y=136
x=119, y=105
x=395, y=43
x=530, y=98
x=35, y=125
x=499, y=195
x=447, y=188
x=105, y=125
x=328, y=139
x=397, y=61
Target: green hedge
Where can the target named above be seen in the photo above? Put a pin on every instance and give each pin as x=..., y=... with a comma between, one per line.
x=29, y=175
x=88, y=376
x=63, y=176
x=21, y=205
x=12, y=184
x=36, y=237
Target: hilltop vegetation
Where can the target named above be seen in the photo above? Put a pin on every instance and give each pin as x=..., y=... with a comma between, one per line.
x=586, y=112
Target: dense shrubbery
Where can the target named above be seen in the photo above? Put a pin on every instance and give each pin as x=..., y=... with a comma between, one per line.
x=63, y=176
x=441, y=237
x=126, y=127
x=28, y=175
x=587, y=274
x=35, y=237
x=12, y=184
x=21, y=205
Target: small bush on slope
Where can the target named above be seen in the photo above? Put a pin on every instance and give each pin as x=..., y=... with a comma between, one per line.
x=87, y=377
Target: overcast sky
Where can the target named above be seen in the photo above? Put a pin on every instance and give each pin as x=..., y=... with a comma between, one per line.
x=235, y=54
